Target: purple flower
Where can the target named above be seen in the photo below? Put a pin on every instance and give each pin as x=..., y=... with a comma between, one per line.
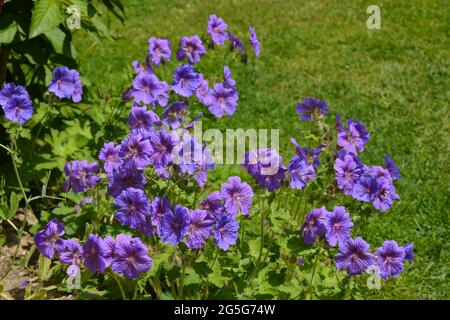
x=379, y=173
x=200, y=228
x=217, y=28
x=81, y=175
x=49, y=238
x=354, y=138
x=192, y=48
x=348, y=170
x=409, y=252
x=354, y=256
x=226, y=231
x=110, y=246
x=228, y=81
x=123, y=179
x=265, y=167
x=365, y=189
x=314, y=226
x=132, y=208
x=148, y=89
x=131, y=258
x=173, y=114
x=300, y=172
x=312, y=155
x=386, y=195
x=237, y=195
x=160, y=206
x=213, y=204
x=339, y=126
x=390, y=259
x=272, y=182
x=185, y=80
x=142, y=121
x=337, y=224
x=93, y=254
x=159, y=50
x=202, y=92
x=71, y=253
x=254, y=42
x=66, y=84
x=391, y=167
x=311, y=108
x=222, y=100
x=236, y=43
x=110, y=155
x=18, y=109
x=174, y=226
x=24, y=283
x=135, y=152
x=148, y=229
x=300, y=261
x=162, y=144
x=10, y=90
x=73, y=270
x=192, y=158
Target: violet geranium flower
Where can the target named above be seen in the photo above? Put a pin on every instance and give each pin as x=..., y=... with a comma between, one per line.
x=217, y=28
x=314, y=226
x=132, y=208
x=354, y=256
x=192, y=48
x=66, y=83
x=159, y=50
x=337, y=224
x=174, y=226
x=93, y=254
x=185, y=80
x=200, y=227
x=237, y=195
x=49, y=238
x=311, y=108
x=226, y=231
x=222, y=100
x=110, y=155
x=390, y=259
x=130, y=258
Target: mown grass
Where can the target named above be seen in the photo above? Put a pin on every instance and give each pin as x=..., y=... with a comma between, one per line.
x=394, y=80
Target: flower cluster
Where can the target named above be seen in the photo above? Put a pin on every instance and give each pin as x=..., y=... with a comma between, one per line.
x=368, y=184
x=354, y=254
x=127, y=256
x=153, y=142
x=17, y=105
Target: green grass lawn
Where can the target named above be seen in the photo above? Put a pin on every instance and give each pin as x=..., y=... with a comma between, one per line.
x=394, y=80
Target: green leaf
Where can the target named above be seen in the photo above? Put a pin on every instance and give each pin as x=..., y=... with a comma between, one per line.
x=63, y=210
x=44, y=268
x=8, y=28
x=46, y=15
x=60, y=42
x=3, y=211
x=13, y=204
x=2, y=239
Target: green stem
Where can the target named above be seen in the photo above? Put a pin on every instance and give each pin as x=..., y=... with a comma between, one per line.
x=242, y=231
x=299, y=202
x=257, y=263
x=41, y=123
x=313, y=271
x=124, y=297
